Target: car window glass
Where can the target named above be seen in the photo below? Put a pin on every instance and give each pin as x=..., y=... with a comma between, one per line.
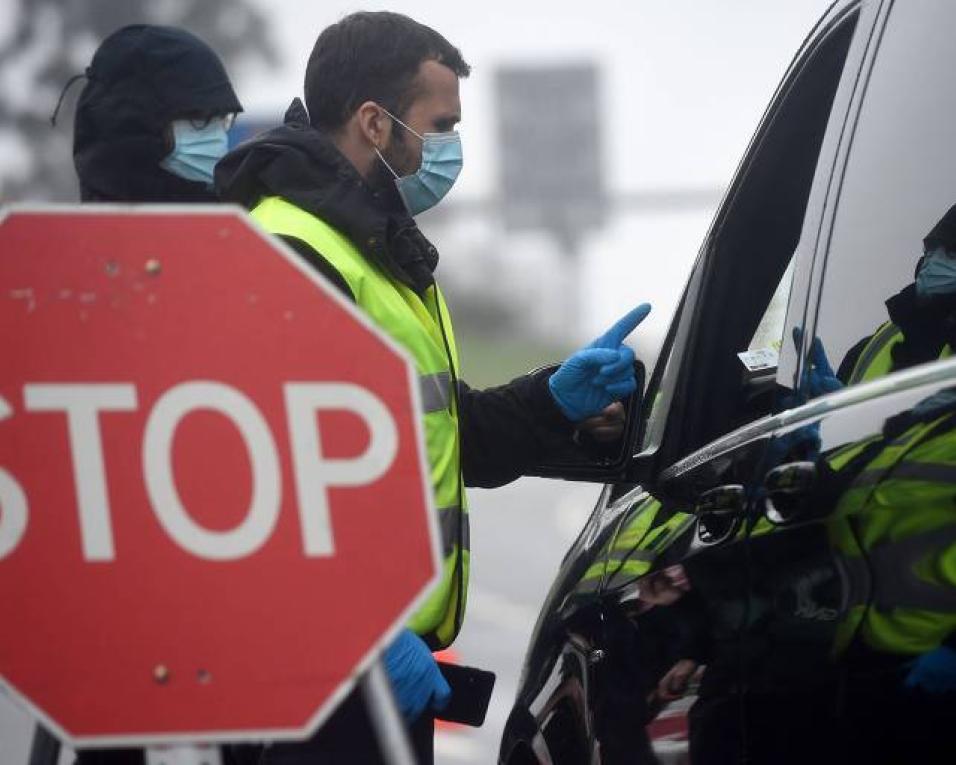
x=769, y=334
x=899, y=182
x=741, y=283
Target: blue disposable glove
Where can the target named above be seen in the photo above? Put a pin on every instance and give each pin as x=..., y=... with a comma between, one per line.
x=818, y=374
x=416, y=680
x=800, y=444
x=600, y=373
x=821, y=378
x=934, y=672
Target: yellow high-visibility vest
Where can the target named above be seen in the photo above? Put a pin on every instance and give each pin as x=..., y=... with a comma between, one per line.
x=422, y=326
x=901, y=505
x=876, y=358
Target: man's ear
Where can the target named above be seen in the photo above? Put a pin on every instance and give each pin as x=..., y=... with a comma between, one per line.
x=374, y=124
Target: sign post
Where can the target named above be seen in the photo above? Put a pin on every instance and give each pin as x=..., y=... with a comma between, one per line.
x=214, y=502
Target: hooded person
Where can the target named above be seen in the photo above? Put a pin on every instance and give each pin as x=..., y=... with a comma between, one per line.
x=922, y=316
x=152, y=119
x=150, y=125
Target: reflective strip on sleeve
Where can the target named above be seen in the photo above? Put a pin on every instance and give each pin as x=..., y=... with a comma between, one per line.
x=435, y=391
x=931, y=472
x=874, y=348
x=935, y=472
x=896, y=582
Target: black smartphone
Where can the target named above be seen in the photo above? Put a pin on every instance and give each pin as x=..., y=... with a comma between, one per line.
x=470, y=693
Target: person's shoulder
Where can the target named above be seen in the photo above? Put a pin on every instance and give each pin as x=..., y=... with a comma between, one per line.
x=315, y=259
x=853, y=355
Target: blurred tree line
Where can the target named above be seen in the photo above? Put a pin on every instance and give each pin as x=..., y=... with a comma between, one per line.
x=45, y=42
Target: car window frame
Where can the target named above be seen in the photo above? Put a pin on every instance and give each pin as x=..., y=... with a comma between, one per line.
x=654, y=447
x=823, y=238
x=938, y=374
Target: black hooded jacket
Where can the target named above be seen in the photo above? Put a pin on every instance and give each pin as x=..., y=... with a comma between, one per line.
x=504, y=430
x=142, y=78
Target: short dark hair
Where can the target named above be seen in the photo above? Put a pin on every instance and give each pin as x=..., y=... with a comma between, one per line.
x=371, y=56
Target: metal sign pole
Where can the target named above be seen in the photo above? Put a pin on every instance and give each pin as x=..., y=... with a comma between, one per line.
x=45, y=749
x=386, y=719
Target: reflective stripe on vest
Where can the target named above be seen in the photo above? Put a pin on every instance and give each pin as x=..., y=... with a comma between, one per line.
x=420, y=325
x=876, y=358
x=633, y=550
x=454, y=529
x=902, y=506
x=435, y=391
x=911, y=471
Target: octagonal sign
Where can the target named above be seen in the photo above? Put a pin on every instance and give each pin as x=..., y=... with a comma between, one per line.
x=214, y=503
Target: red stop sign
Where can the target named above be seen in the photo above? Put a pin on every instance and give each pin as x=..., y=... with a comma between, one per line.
x=213, y=493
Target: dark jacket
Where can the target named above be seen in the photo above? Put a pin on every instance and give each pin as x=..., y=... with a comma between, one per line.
x=504, y=430
x=927, y=325
x=142, y=78
x=927, y=328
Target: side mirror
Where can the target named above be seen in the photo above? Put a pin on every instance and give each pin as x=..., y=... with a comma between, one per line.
x=584, y=459
x=788, y=487
x=719, y=512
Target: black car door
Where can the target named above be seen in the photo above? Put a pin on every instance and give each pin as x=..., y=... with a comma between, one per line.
x=851, y=557
x=677, y=576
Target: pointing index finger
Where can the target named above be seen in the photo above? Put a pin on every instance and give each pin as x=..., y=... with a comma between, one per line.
x=624, y=326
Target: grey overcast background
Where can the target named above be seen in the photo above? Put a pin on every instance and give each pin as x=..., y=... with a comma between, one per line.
x=682, y=84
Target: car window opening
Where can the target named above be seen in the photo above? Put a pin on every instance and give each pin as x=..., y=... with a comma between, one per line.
x=747, y=272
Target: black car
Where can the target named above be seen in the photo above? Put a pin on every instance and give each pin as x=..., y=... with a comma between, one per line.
x=769, y=575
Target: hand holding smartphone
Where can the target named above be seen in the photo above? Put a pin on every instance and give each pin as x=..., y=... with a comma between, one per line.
x=470, y=693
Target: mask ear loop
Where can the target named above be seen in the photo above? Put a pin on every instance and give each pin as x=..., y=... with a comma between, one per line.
x=69, y=84
x=419, y=137
x=385, y=162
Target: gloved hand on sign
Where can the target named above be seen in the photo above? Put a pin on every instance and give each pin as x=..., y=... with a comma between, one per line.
x=416, y=680
x=600, y=373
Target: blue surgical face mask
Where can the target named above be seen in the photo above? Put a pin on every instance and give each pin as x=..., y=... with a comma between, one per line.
x=937, y=275
x=196, y=150
x=441, y=164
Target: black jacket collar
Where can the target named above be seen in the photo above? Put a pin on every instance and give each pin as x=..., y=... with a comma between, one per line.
x=302, y=165
x=927, y=326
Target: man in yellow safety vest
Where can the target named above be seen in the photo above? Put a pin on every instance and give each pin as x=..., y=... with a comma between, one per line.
x=341, y=182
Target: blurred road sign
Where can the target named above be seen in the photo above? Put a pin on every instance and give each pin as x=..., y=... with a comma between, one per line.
x=214, y=503
x=549, y=134
x=248, y=126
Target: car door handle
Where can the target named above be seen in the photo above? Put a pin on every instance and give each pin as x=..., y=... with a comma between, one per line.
x=786, y=488
x=719, y=511
x=791, y=478
x=728, y=499
x=722, y=499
